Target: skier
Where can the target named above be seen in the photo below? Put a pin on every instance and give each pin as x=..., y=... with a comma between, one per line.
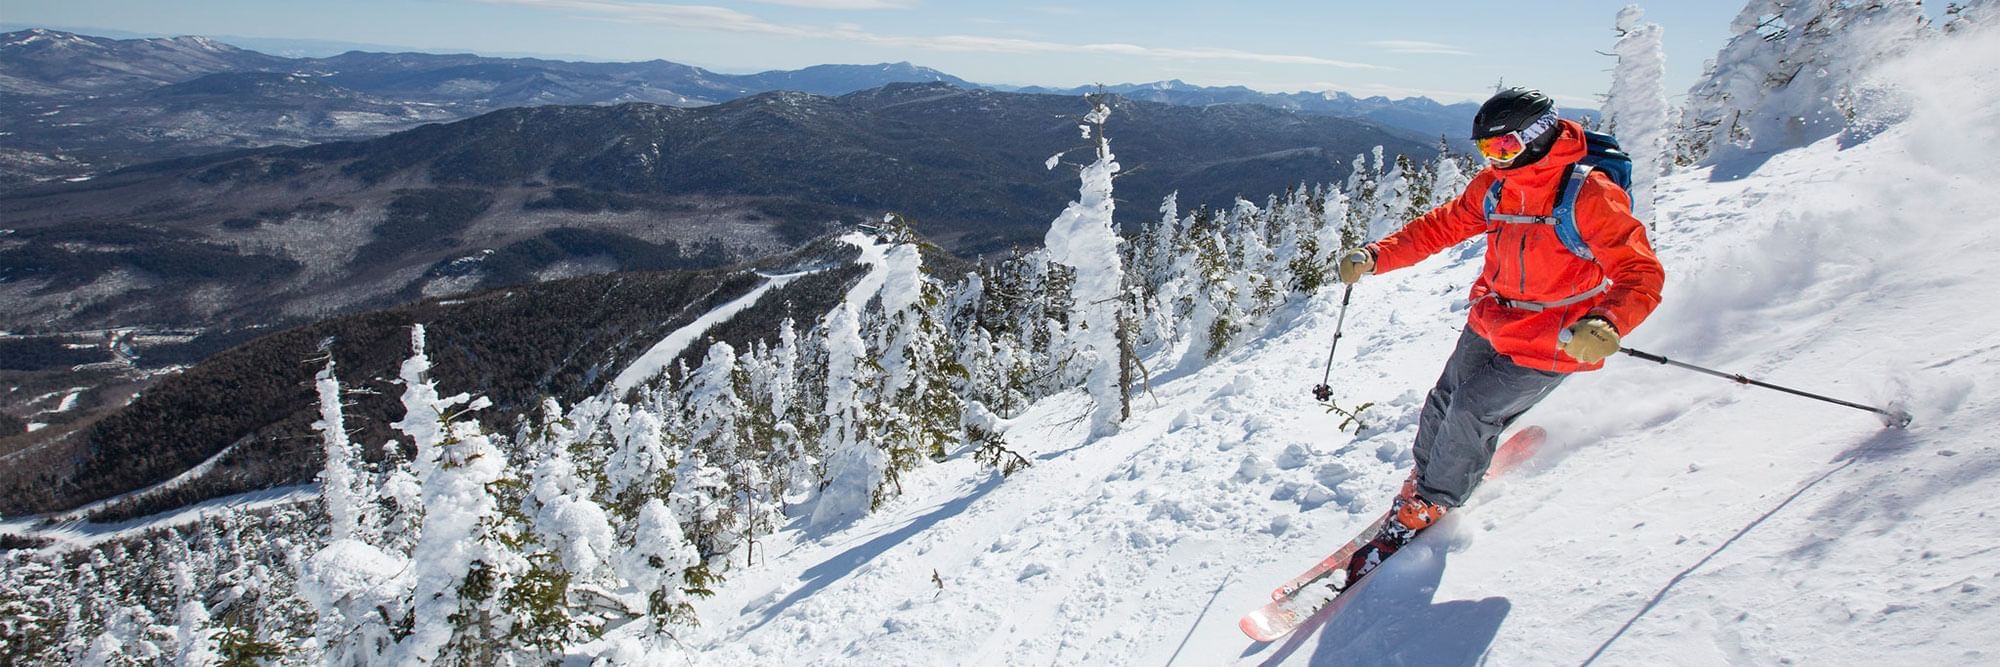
x=1541, y=308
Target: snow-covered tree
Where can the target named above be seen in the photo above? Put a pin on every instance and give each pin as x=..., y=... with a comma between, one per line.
x=1083, y=239
x=1211, y=298
x=656, y=564
x=642, y=459
x=338, y=479
x=1362, y=204
x=128, y=639
x=457, y=566
x=1961, y=17
x=1448, y=178
x=855, y=465
x=1636, y=109
x=1788, y=77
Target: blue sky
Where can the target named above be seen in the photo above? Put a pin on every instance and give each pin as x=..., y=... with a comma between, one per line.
x=1450, y=51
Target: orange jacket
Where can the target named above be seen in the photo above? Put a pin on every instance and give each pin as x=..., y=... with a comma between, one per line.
x=1526, y=262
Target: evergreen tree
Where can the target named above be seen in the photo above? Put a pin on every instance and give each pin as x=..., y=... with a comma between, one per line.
x=340, y=477
x=1637, y=107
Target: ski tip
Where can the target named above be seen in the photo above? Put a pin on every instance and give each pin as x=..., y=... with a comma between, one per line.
x=1253, y=626
x=1258, y=626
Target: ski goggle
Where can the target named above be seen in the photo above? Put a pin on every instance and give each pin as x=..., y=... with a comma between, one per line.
x=1506, y=147
x=1502, y=148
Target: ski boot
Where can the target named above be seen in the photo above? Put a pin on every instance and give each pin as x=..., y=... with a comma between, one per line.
x=1408, y=516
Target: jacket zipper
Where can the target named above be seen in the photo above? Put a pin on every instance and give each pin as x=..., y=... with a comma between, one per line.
x=1521, y=265
x=1521, y=255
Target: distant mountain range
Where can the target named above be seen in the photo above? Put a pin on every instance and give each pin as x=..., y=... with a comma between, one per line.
x=1418, y=114
x=274, y=235
x=73, y=105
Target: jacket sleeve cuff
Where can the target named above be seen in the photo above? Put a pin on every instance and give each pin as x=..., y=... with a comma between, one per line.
x=1603, y=314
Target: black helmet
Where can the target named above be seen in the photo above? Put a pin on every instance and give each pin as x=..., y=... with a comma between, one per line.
x=1519, y=110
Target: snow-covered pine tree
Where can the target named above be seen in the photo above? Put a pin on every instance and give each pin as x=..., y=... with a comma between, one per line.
x=1250, y=260
x=351, y=582
x=1213, y=318
x=855, y=465
x=1418, y=195
x=128, y=638
x=731, y=514
x=1159, y=280
x=1391, y=196
x=767, y=381
x=644, y=446
x=1084, y=239
x=568, y=543
x=1787, y=78
x=656, y=563
x=37, y=606
x=1636, y=109
x=1446, y=178
x=1961, y=17
x=339, y=479
x=1362, y=203
x=458, y=566
x=935, y=398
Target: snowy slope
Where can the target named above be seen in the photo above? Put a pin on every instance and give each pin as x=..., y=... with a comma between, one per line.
x=1674, y=519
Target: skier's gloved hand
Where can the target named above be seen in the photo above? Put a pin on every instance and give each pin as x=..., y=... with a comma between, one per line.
x=1355, y=263
x=1590, y=340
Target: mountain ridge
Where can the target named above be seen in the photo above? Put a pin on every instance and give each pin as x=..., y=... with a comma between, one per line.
x=77, y=111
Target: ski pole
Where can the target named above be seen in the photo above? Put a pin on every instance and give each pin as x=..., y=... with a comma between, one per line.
x=1890, y=418
x=1322, y=391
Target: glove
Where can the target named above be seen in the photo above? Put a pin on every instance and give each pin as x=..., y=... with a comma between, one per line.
x=1355, y=263
x=1590, y=340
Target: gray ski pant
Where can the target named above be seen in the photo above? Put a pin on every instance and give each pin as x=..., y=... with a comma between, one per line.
x=1480, y=393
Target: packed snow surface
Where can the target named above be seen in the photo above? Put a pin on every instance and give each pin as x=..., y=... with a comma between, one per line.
x=1673, y=518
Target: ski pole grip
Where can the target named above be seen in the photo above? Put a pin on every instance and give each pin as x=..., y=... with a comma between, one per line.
x=1643, y=355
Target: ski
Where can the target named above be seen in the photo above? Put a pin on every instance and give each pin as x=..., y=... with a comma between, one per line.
x=1303, y=596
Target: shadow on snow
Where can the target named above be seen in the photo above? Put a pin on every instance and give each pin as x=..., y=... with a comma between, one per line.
x=818, y=577
x=1392, y=618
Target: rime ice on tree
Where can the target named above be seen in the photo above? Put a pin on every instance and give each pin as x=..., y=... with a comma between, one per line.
x=1637, y=108
x=1083, y=238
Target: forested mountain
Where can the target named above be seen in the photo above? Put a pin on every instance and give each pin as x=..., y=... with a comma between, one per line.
x=78, y=105
x=82, y=105
x=268, y=236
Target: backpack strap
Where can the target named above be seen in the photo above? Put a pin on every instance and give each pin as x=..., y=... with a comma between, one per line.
x=1565, y=213
x=1563, y=217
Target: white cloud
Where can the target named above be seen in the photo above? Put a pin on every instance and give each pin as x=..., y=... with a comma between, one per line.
x=692, y=17
x=1382, y=89
x=1408, y=46
x=719, y=19
x=843, y=4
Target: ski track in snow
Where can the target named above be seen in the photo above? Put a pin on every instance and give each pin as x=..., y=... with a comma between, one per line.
x=1672, y=517
x=71, y=533
x=656, y=358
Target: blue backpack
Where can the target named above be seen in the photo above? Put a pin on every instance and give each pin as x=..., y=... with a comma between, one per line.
x=1605, y=156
